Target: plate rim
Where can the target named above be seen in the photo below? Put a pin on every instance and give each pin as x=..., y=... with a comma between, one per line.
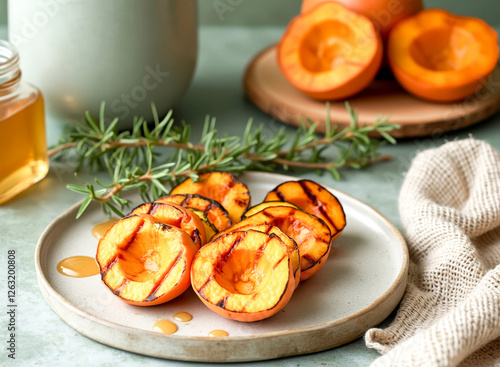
x=44, y=283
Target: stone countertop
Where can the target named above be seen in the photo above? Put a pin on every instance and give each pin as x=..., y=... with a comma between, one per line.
x=43, y=339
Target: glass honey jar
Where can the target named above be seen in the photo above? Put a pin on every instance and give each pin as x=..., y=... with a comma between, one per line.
x=24, y=159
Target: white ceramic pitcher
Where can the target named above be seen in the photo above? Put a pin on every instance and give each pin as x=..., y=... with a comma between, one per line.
x=127, y=53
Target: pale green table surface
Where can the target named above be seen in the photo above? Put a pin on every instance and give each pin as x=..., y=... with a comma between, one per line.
x=43, y=339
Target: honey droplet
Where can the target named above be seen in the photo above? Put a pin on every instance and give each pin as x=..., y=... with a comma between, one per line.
x=78, y=266
x=216, y=333
x=165, y=327
x=99, y=229
x=183, y=316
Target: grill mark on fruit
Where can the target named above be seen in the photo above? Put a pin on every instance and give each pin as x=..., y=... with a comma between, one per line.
x=125, y=247
x=196, y=237
x=261, y=249
x=200, y=290
x=268, y=215
x=185, y=200
x=310, y=259
x=231, y=249
x=279, y=261
x=165, y=275
x=105, y=270
x=267, y=228
x=152, y=208
x=249, y=302
x=280, y=195
x=240, y=202
x=222, y=303
x=318, y=204
x=118, y=290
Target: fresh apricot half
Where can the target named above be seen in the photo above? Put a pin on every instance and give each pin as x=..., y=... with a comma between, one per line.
x=442, y=57
x=330, y=52
x=312, y=198
x=222, y=187
x=145, y=262
x=244, y=275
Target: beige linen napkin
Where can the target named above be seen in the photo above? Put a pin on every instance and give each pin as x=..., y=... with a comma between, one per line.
x=450, y=211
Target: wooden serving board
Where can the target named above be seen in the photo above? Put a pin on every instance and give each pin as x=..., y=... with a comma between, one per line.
x=268, y=89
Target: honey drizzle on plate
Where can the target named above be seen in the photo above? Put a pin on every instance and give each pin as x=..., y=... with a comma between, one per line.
x=183, y=316
x=165, y=327
x=78, y=266
x=216, y=333
x=100, y=228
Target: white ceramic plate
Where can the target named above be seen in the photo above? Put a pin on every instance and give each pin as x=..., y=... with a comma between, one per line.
x=360, y=284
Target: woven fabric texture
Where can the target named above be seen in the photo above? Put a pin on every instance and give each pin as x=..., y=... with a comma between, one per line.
x=450, y=212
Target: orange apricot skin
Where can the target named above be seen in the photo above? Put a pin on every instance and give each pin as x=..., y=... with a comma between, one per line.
x=384, y=14
x=440, y=84
x=344, y=80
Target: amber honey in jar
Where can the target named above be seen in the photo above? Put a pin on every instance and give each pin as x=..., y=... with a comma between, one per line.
x=24, y=158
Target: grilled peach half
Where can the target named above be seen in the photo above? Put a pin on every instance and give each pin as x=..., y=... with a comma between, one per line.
x=177, y=216
x=244, y=275
x=213, y=210
x=310, y=233
x=145, y=262
x=222, y=187
x=289, y=242
x=314, y=199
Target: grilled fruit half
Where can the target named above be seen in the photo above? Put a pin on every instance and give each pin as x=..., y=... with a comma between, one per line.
x=312, y=198
x=244, y=275
x=145, y=262
x=222, y=187
x=310, y=233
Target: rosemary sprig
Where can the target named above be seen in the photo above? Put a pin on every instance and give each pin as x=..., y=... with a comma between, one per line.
x=150, y=158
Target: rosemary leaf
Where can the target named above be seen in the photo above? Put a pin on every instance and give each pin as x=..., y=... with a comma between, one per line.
x=151, y=159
